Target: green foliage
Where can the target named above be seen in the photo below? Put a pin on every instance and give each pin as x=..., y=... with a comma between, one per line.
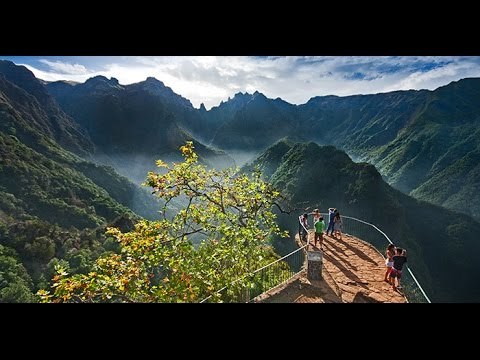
x=111, y=244
x=42, y=248
x=16, y=292
x=54, y=264
x=80, y=261
x=228, y=216
x=51, y=191
x=15, y=283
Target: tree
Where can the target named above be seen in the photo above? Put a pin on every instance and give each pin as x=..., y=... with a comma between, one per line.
x=15, y=283
x=221, y=233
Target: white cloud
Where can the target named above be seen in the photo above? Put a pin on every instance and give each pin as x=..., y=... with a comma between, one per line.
x=65, y=68
x=441, y=75
x=294, y=79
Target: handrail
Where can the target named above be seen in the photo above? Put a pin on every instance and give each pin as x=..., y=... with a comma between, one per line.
x=282, y=258
x=391, y=242
x=256, y=271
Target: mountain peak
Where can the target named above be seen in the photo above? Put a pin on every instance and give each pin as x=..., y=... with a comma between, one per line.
x=240, y=95
x=16, y=73
x=100, y=82
x=258, y=95
x=241, y=99
x=63, y=82
x=98, y=78
x=6, y=66
x=317, y=99
x=24, y=78
x=153, y=81
x=157, y=88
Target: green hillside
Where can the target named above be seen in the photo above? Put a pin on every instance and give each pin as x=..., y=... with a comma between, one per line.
x=441, y=243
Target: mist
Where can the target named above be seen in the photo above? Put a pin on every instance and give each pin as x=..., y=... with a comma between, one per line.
x=134, y=167
x=241, y=158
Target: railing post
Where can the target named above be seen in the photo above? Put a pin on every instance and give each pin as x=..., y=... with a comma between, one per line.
x=314, y=265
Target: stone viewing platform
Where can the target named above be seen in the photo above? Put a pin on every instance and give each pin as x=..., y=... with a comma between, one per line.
x=352, y=271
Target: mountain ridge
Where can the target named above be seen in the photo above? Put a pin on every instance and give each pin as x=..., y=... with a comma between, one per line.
x=403, y=133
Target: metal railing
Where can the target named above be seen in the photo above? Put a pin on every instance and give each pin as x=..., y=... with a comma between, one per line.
x=374, y=236
x=248, y=287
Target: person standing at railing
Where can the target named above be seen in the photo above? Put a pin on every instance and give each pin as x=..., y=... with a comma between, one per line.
x=389, y=254
x=337, y=227
x=319, y=228
x=303, y=226
x=398, y=261
x=331, y=221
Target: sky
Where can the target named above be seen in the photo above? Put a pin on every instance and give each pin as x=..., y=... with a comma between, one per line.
x=296, y=79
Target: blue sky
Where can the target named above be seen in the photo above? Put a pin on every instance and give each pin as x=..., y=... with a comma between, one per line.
x=211, y=79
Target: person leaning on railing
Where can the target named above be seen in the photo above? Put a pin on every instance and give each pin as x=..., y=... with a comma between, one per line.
x=303, y=227
x=337, y=226
x=331, y=215
x=398, y=261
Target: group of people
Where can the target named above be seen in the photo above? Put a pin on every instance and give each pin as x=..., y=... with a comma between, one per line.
x=395, y=258
x=334, y=225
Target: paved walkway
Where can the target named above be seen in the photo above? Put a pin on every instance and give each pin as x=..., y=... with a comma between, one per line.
x=353, y=271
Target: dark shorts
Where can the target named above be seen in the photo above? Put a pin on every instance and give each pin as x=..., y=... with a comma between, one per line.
x=396, y=273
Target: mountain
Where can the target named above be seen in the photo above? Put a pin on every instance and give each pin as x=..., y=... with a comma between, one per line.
x=403, y=133
x=441, y=243
x=424, y=143
x=132, y=125
x=54, y=205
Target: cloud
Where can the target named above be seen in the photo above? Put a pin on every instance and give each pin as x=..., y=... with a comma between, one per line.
x=65, y=68
x=296, y=79
x=439, y=76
